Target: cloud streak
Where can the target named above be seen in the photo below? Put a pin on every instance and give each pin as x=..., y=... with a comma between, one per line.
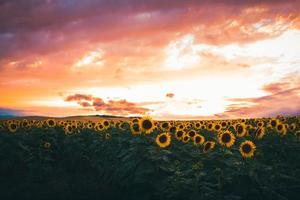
x=119, y=107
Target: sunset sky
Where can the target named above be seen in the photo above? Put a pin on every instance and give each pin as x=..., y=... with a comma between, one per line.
x=168, y=59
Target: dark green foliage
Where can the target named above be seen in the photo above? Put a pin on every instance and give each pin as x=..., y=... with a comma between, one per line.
x=88, y=166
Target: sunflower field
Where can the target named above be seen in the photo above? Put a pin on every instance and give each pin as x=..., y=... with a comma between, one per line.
x=139, y=158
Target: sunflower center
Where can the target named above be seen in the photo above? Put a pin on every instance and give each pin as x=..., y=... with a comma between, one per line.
x=165, y=125
x=163, y=139
x=226, y=137
x=197, y=139
x=240, y=129
x=246, y=148
x=273, y=123
x=179, y=134
x=147, y=124
x=136, y=127
x=192, y=133
x=280, y=127
x=105, y=123
x=217, y=126
x=51, y=122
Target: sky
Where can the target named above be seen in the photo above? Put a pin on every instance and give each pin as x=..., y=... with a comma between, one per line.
x=171, y=59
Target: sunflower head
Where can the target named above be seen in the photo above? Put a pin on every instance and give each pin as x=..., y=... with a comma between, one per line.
x=165, y=126
x=217, y=127
x=260, y=133
x=226, y=138
x=247, y=149
x=163, y=140
x=179, y=134
x=241, y=130
x=135, y=129
x=185, y=138
x=68, y=129
x=198, y=139
x=209, y=145
x=192, y=133
x=12, y=127
x=51, y=122
x=47, y=145
x=146, y=124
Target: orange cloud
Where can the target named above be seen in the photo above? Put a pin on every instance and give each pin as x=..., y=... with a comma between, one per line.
x=120, y=107
x=170, y=95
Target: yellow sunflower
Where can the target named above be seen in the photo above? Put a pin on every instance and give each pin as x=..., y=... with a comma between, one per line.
x=135, y=128
x=247, y=149
x=68, y=129
x=165, y=126
x=146, y=124
x=47, y=145
x=217, y=127
x=191, y=133
x=163, y=140
x=209, y=145
x=281, y=129
x=12, y=127
x=226, y=138
x=273, y=122
x=241, y=130
x=260, y=133
x=107, y=136
x=185, y=138
x=199, y=139
x=51, y=122
x=179, y=134
x=292, y=127
x=106, y=124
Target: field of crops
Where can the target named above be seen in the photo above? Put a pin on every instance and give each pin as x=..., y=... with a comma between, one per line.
x=140, y=158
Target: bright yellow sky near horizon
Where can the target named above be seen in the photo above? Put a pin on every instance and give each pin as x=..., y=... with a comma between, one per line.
x=177, y=62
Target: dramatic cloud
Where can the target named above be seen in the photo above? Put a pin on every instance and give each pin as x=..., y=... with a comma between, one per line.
x=231, y=55
x=120, y=107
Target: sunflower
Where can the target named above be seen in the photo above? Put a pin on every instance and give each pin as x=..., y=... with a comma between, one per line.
x=260, y=133
x=273, y=122
x=247, y=149
x=223, y=124
x=199, y=139
x=99, y=126
x=135, y=129
x=209, y=145
x=185, y=138
x=47, y=145
x=226, y=138
x=165, y=126
x=173, y=129
x=106, y=124
x=68, y=129
x=281, y=129
x=12, y=127
x=163, y=140
x=50, y=123
x=146, y=124
x=180, y=126
x=210, y=126
x=179, y=134
x=25, y=123
x=292, y=127
x=191, y=133
x=197, y=125
x=217, y=127
x=107, y=136
x=241, y=130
